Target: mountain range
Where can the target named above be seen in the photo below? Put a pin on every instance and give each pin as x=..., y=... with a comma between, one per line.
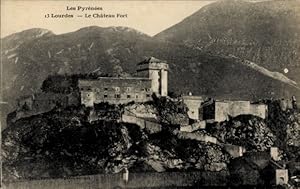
x=227, y=50
x=263, y=32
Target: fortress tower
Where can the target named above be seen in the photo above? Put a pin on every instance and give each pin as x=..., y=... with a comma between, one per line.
x=157, y=71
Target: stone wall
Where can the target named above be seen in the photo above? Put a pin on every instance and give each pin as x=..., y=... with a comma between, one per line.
x=115, y=90
x=286, y=104
x=234, y=150
x=136, y=180
x=197, y=136
x=39, y=103
x=281, y=176
x=224, y=109
x=164, y=83
x=141, y=110
x=193, y=127
x=148, y=125
x=274, y=153
x=238, y=108
x=259, y=110
x=221, y=111
x=193, y=104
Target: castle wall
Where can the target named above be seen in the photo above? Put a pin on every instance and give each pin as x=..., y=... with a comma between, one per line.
x=39, y=103
x=238, y=108
x=281, y=176
x=150, y=126
x=259, y=110
x=223, y=109
x=164, y=83
x=193, y=103
x=87, y=98
x=154, y=75
x=115, y=90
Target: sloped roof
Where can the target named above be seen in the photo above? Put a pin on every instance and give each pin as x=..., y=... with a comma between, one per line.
x=150, y=60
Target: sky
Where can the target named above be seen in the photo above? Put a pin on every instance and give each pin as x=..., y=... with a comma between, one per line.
x=150, y=17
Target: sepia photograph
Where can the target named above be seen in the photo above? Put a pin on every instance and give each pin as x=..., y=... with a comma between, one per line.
x=150, y=94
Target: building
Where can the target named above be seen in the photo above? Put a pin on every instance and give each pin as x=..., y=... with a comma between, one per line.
x=114, y=90
x=193, y=104
x=157, y=71
x=152, y=78
x=221, y=110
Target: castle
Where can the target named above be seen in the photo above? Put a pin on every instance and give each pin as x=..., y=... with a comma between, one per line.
x=152, y=78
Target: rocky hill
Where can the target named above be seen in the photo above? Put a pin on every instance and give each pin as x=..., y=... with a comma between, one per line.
x=267, y=33
x=63, y=143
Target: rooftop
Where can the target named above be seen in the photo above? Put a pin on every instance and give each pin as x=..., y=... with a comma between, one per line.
x=150, y=60
x=192, y=97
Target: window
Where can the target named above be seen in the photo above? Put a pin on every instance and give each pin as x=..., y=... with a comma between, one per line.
x=142, y=89
x=147, y=89
x=117, y=96
x=136, y=96
x=117, y=89
x=128, y=96
x=105, y=88
x=105, y=96
x=128, y=89
x=147, y=95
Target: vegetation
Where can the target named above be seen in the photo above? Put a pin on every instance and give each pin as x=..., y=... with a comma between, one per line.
x=171, y=113
x=60, y=84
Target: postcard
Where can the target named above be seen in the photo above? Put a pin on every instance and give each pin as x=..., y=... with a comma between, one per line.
x=150, y=94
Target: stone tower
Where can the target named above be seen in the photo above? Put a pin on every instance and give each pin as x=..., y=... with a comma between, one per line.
x=157, y=71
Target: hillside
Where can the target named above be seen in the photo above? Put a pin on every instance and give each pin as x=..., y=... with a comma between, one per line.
x=63, y=143
x=266, y=33
x=117, y=50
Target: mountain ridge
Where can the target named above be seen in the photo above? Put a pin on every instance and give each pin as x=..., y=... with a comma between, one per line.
x=116, y=50
x=263, y=32
x=87, y=36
